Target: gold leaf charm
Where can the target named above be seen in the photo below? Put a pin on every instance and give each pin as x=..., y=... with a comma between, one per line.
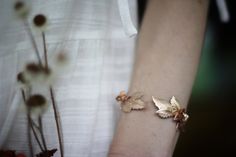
x=129, y=103
x=171, y=110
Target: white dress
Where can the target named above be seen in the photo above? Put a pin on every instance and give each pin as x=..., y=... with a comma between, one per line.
x=97, y=36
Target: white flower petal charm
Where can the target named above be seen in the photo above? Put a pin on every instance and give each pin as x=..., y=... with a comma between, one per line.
x=171, y=110
x=129, y=103
x=164, y=108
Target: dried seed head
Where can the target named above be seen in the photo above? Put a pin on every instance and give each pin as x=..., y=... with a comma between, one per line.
x=33, y=68
x=19, y=5
x=61, y=60
x=21, y=78
x=38, y=74
x=36, y=100
x=21, y=9
x=37, y=104
x=40, y=21
x=61, y=57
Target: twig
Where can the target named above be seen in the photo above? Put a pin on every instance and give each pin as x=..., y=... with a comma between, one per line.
x=45, y=50
x=57, y=119
x=28, y=127
x=35, y=134
x=31, y=126
x=41, y=132
x=23, y=95
x=35, y=125
x=33, y=42
x=56, y=113
x=29, y=138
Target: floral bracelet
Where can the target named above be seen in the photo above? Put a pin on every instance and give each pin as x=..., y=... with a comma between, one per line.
x=165, y=110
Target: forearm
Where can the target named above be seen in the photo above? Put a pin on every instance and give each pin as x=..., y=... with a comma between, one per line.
x=168, y=53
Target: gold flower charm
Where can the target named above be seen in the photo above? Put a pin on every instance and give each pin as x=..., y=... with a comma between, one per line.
x=129, y=103
x=171, y=110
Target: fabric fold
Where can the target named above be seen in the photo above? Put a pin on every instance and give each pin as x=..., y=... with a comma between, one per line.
x=125, y=16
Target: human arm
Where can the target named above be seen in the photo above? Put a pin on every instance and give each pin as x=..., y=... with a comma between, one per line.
x=167, y=58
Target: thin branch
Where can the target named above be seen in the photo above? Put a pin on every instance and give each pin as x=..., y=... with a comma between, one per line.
x=35, y=125
x=35, y=134
x=55, y=110
x=23, y=95
x=33, y=42
x=41, y=132
x=30, y=124
x=29, y=138
x=45, y=50
x=28, y=127
x=57, y=119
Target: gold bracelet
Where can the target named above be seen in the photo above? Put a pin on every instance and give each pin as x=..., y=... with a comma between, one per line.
x=165, y=110
x=173, y=110
x=129, y=103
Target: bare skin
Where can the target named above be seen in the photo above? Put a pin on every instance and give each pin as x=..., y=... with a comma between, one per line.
x=168, y=53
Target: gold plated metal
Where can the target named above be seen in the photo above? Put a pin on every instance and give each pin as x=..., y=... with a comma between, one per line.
x=129, y=103
x=171, y=109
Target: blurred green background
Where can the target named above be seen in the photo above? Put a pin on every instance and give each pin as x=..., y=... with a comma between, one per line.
x=211, y=130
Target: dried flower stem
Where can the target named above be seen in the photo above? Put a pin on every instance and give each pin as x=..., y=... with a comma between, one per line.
x=33, y=42
x=56, y=113
x=29, y=137
x=30, y=124
x=41, y=132
x=28, y=127
x=35, y=134
x=35, y=125
x=57, y=119
x=23, y=95
x=45, y=50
